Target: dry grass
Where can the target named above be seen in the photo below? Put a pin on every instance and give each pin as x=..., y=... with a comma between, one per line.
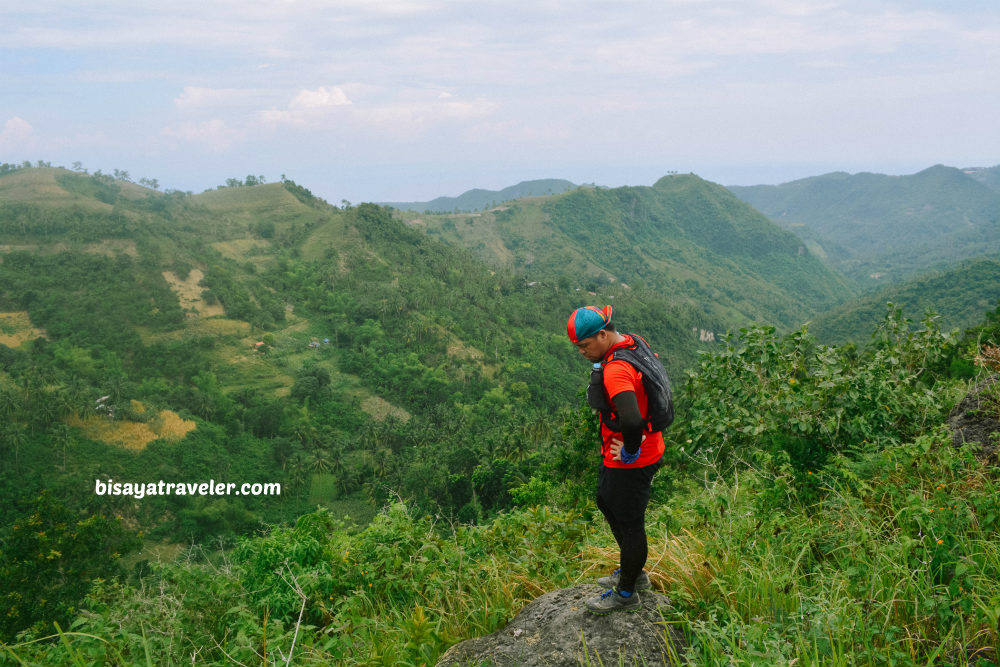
x=4, y=248
x=241, y=249
x=107, y=247
x=679, y=563
x=189, y=293
x=459, y=349
x=112, y=248
x=170, y=426
x=219, y=327
x=333, y=237
x=39, y=186
x=988, y=357
x=167, y=425
x=16, y=329
x=380, y=409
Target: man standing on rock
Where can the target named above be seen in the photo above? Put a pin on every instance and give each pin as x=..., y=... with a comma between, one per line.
x=630, y=390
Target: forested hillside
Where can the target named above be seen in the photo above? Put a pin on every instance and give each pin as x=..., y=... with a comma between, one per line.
x=258, y=334
x=684, y=237
x=878, y=228
x=308, y=342
x=421, y=409
x=989, y=176
x=958, y=295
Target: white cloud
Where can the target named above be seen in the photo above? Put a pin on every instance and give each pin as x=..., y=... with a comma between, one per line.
x=321, y=98
x=412, y=113
x=398, y=112
x=309, y=108
x=15, y=131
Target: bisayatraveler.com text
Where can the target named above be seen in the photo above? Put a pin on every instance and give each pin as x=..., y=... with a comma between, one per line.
x=161, y=488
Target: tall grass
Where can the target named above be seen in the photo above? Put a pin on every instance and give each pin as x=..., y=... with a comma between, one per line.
x=897, y=564
x=398, y=592
x=873, y=573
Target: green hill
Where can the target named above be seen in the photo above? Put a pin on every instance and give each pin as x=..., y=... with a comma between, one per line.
x=875, y=227
x=684, y=237
x=261, y=333
x=478, y=199
x=959, y=295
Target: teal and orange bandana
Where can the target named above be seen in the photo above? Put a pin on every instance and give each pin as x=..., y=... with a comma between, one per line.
x=587, y=321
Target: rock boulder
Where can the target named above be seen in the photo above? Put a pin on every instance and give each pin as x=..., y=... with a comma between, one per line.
x=557, y=629
x=975, y=418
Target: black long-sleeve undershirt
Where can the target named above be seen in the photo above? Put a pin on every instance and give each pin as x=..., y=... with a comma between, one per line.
x=629, y=419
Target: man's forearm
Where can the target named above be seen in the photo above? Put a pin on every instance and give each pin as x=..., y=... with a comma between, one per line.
x=630, y=420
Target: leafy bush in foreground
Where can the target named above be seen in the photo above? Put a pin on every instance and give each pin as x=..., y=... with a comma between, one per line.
x=795, y=403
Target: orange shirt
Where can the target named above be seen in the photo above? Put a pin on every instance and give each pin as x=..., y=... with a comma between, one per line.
x=619, y=376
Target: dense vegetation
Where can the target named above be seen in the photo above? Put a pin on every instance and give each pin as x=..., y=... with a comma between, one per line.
x=813, y=508
x=959, y=295
x=827, y=518
x=131, y=321
x=683, y=236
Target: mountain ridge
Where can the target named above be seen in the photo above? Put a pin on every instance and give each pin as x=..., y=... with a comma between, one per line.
x=876, y=227
x=477, y=198
x=682, y=236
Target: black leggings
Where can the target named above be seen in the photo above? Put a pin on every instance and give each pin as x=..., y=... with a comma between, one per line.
x=622, y=497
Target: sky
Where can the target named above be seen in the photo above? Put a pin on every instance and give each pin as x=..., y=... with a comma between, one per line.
x=407, y=100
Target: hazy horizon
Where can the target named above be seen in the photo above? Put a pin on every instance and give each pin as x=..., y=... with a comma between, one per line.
x=408, y=100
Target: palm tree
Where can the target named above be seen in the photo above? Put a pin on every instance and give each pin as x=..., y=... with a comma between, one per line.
x=11, y=405
x=13, y=436
x=536, y=429
x=305, y=430
x=337, y=466
x=74, y=396
x=320, y=461
x=297, y=473
x=62, y=435
x=117, y=388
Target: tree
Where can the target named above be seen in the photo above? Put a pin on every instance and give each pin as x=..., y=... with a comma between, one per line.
x=11, y=404
x=321, y=461
x=13, y=435
x=62, y=435
x=49, y=558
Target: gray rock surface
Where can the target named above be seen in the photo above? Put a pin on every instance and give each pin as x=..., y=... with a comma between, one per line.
x=974, y=419
x=557, y=629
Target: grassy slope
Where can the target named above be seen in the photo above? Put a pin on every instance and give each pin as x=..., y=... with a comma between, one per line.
x=227, y=219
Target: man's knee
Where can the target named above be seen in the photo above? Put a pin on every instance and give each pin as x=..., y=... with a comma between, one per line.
x=635, y=527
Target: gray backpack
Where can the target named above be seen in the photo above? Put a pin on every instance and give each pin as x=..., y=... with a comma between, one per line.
x=659, y=398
